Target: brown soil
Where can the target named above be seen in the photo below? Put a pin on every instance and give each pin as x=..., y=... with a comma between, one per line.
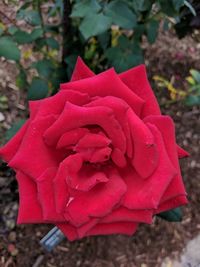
x=19, y=245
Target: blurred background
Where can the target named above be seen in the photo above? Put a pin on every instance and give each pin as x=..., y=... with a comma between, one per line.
x=39, y=44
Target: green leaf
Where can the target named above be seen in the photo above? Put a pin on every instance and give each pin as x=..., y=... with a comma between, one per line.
x=36, y=33
x=38, y=89
x=14, y=129
x=58, y=76
x=9, y=49
x=52, y=28
x=44, y=67
x=138, y=32
x=174, y=215
x=57, y=7
x=121, y=14
x=83, y=8
x=126, y=55
x=178, y=4
x=12, y=29
x=21, y=80
x=104, y=39
x=94, y=24
x=192, y=100
x=30, y=16
x=22, y=37
x=71, y=62
x=168, y=8
x=186, y=3
x=166, y=25
x=195, y=74
x=152, y=31
x=51, y=42
x=142, y=5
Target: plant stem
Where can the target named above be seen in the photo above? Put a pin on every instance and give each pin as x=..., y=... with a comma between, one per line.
x=42, y=22
x=9, y=19
x=66, y=24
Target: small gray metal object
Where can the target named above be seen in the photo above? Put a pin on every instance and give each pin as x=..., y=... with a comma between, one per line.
x=52, y=239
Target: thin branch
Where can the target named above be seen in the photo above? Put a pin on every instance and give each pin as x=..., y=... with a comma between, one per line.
x=42, y=22
x=9, y=19
x=66, y=23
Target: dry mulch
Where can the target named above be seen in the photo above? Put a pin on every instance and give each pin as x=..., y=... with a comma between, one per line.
x=19, y=245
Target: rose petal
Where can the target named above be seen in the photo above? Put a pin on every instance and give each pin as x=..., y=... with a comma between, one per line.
x=68, y=230
x=54, y=105
x=123, y=214
x=119, y=108
x=34, y=107
x=81, y=71
x=126, y=228
x=46, y=196
x=108, y=195
x=93, y=140
x=104, y=84
x=75, y=117
x=85, y=181
x=145, y=148
x=101, y=155
x=82, y=230
x=71, y=137
x=182, y=153
x=146, y=194
x=172, y=203
x=29, y=208
x=166, y=127
x=136, y=79
x=118, y=158
x=71, y=164
x=33, y=156
x=8, y=151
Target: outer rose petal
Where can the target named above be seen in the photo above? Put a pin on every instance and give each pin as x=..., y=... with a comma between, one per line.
x=29, y=208
x=54, y=105
x=46, y=196
x=68, y=230
x=123, y=214
x=136, y=80
x=182, y=153
x=126, y=228
x=166, y=126
x=172, y=203
x=146, y=194
x=104, y=84
x=8, y=151
x=82, y=230
x=83, y=206
x=81, y=71
x=34, y=157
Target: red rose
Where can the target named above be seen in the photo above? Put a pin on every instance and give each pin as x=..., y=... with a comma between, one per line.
x=98, y=157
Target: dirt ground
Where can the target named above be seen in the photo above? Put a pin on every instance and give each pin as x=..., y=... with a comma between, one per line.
x=19, y=245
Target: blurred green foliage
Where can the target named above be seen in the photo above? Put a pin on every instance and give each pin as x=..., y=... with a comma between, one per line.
x=104, y=33
x=190, y=96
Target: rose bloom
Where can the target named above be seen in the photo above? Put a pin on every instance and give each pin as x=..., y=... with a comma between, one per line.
x=98, y=157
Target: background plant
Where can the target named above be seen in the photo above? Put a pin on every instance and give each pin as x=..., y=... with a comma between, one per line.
x=104, y=33
x=190, y=96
